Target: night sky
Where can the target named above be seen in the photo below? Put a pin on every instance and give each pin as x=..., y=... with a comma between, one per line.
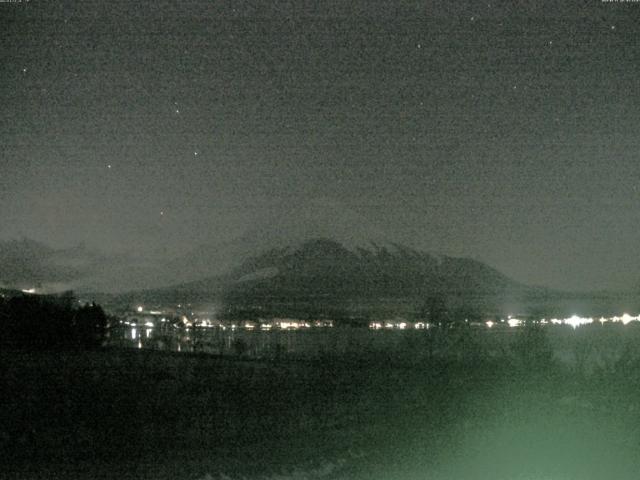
x=507, y=132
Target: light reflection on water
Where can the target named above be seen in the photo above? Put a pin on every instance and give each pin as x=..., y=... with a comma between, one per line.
x=252, y=342
x=569, y=345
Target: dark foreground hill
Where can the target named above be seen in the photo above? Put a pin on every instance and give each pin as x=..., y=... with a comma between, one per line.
x=138, y=414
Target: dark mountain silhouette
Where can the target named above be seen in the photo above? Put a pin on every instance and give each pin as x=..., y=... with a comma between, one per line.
x=325, y=268
x=322, y=277
x=296, y=225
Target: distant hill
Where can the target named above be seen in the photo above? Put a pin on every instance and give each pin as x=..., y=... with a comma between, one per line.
x=26, y=263
x=30, y=264
x=9, y=293
x=323, y=277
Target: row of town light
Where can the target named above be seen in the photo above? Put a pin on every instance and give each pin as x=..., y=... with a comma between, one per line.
x=574, y=321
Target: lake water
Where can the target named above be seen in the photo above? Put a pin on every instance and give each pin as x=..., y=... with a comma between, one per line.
x=585, y=347
x=308, y=342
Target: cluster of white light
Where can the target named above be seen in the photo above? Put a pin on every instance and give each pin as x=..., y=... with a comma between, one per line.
x=514, y=322
x=390, y=325
x=247, y=325
x=625, y=318
x=203, y=322
x=574, y=321
x=291, y=324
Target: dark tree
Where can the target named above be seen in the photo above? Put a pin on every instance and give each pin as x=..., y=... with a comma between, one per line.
x=90, y=326
x=52, y=321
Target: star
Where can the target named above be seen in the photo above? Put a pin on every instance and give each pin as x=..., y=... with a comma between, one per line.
x=177, y=110
x=24, y=70
x=195, y=154
x=109, y=166
x=419, y=45
x=161, y=213
x=613, y=27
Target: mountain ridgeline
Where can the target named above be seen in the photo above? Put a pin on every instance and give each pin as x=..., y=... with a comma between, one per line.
x=322, y=278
